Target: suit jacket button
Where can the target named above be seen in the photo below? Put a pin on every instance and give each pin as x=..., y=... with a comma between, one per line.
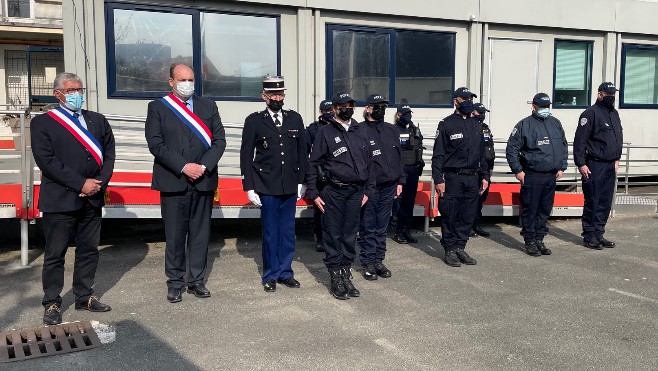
x=281, y=153
x=260, y=169
x=283, y=162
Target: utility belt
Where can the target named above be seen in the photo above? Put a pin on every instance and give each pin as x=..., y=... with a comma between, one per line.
x=460, y=171
x=345, y=185
x=531, y=171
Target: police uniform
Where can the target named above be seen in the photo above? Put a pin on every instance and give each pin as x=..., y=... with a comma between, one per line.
x=598, y=145
x=311, y=133
x=411, y=145
x=273, y=162
x=458, y=160
x=389, y=173
x=490, y=156
x=341, y=155
x=538, y=148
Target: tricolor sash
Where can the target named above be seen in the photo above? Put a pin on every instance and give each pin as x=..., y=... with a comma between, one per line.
x=188, y=117
x=76, y=129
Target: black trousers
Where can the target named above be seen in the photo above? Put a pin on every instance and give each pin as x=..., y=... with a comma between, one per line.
x=84, y=227
x=481, y=199
x=598, y=191
x=375, y=215
x=458, y=208
x=340, y=224
x=405, y=203
x=186, y=217
x=536, y=198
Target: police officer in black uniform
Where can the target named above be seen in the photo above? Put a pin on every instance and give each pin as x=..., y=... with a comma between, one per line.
x=273, y=162
x=461, y=174
x=390, y=176
x=411, y=144
x=341, y=155
x=326, y=116
x=597, y=148
x=537, y=154
x=480, y=114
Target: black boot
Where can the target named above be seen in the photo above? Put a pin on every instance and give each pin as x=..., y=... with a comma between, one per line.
x=408, y=236
x=337, y=287
x=347, y=281
x=477, y=228
x=531, y=248
x=399, y=237
x=452, y=259
x=319, y=247
x=543, y=249
x=465, y=258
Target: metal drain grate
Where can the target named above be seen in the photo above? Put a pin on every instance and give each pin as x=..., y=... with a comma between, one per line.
x=47, y=341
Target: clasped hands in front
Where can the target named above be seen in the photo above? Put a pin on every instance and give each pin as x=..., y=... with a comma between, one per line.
x=90, y=188
x=193, y=171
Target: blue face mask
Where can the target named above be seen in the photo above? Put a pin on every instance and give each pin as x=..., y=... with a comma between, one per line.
x=466, y=107
x=327, y=116
x=405, y=119
x=74, y=101
x=543, y=112
x=480, y=118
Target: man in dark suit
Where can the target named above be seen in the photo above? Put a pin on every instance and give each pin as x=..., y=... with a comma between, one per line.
x=186, y=136
x=74, y=148
x=273, y=165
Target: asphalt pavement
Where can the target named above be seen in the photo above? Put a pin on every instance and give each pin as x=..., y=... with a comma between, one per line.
x=578, y=309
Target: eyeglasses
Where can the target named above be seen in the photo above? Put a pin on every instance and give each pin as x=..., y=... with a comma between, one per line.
x=73, y=90
x=275, y=95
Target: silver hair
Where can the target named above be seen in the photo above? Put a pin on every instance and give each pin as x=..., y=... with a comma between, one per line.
x=65, y=76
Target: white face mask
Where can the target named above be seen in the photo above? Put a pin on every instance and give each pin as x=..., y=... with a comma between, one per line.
x=185, y=88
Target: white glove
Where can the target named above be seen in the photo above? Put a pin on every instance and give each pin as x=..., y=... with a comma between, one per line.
x=301, y=190
x=253, y=198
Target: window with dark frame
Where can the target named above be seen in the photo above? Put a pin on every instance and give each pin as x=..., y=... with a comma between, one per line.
x=639, y=76
x=407, y=66
x=572, y=76
x=230, y=52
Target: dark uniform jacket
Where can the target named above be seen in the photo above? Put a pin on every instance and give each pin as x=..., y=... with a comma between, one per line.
x=411, y=144
x=489, y=151
x=173, y=145
x=537, y=144
x=279, y=162
x=386, y=152
x=458, y=145
x=66, y=164
x=343, y=155
x=312, y=131
x=599, y=135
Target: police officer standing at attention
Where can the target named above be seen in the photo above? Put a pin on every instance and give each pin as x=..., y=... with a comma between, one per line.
x=273, y=164
x=537, y=154
x=480, y=114
x=411, y=144
x=461, y=174
x=389, y=178
x=341, y=154
x=326, y=116
x=597, y=148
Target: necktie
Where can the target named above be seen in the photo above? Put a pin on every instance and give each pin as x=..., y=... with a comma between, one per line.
x=276, y=120
x=76, y=115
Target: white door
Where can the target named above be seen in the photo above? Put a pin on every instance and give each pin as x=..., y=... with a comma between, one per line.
x=513, y=81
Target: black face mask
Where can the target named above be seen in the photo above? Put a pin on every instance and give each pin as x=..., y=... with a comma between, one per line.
x=345, y=113
x=608, y=101
x=275, y=105
x=405, y=119
x=480, y=118
x=378, y=113
x=466, y=107
x=326, y=117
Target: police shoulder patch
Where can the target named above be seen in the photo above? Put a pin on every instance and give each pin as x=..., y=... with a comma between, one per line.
x=583, y=121
x=514, y=132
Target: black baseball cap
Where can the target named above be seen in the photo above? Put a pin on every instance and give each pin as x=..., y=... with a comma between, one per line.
x=376, y=99
x=341, y=98
x=463, y=92
x=480, y=108
x=325, y=105
x=404, y=109
x=608, y=87
x=541, y=100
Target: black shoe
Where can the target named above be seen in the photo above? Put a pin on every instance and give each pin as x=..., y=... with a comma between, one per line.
x=289, y=282
x=477, y=228
x=370, y=272
x=465, y=258
x=337, y=288
x=593, y=244
x=399, y=238
x=199, y=290
x=174, y=296
x=52, y=315
x=381, y=270
x=93, y=305
x=347, y=282
x=319, y=246
x=542, y=248
x=605, y=243
x=409, y=237
x=269, y=286
x=531, y=248
x=452, y=259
